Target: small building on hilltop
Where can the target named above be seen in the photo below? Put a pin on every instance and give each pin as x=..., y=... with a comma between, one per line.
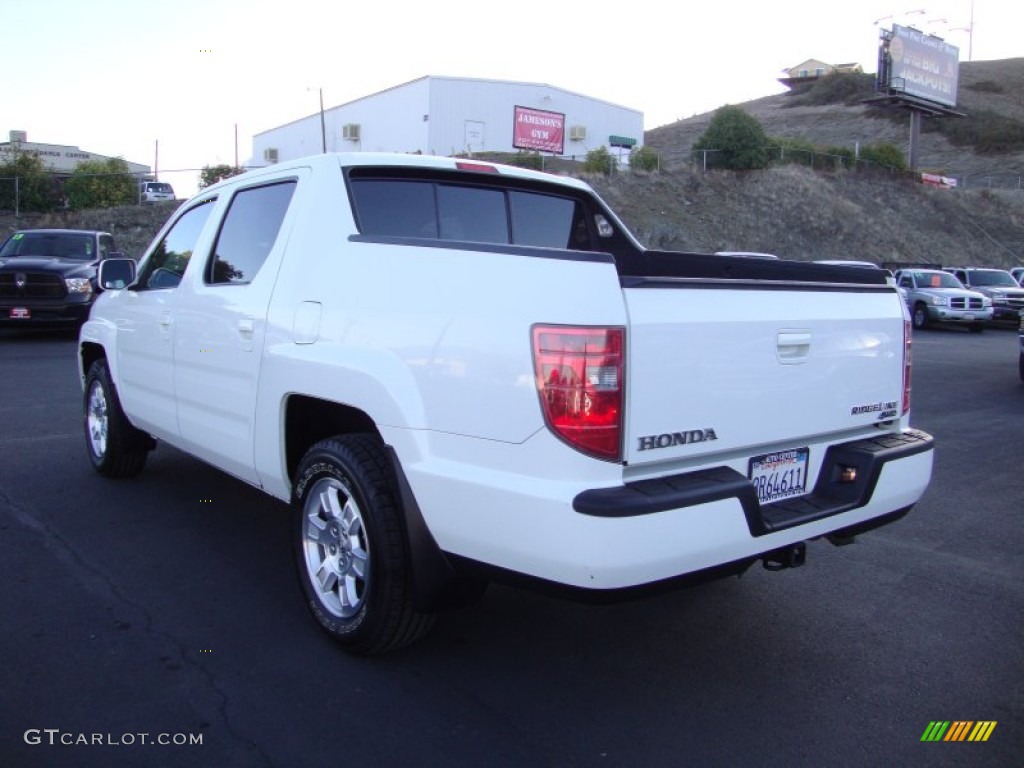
x=812, y=69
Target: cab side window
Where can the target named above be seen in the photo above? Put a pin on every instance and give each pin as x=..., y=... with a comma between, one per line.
x=167, y=263
x=248, y=233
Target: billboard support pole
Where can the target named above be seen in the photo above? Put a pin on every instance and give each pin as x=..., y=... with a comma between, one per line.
x=915, y=138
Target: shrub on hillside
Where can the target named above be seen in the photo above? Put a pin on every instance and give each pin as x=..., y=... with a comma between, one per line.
x=101, y=184
x=884, y=154
x=987, y=132
x=26, y=185
x=644, y=159
x=599, y=160
x=737, y=140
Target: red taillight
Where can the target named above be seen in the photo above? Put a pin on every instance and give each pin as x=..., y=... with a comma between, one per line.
x=580, y=379
x=906, y=365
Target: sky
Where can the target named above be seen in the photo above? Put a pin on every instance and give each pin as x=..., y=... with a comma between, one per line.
x=171, y=84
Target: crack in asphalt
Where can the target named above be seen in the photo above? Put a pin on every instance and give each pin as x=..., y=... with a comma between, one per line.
x=100, y=584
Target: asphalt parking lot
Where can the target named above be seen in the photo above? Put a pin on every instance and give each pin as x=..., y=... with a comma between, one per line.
x=165, y=608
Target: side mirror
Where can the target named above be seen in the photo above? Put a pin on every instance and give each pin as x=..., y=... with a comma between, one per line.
x=116, y=273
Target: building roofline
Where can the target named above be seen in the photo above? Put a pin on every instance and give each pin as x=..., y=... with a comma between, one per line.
x=449, y=78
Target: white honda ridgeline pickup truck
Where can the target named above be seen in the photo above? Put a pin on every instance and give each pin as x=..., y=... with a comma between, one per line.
x=456, y=372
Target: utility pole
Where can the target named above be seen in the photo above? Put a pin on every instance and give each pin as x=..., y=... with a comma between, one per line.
x=323, y=127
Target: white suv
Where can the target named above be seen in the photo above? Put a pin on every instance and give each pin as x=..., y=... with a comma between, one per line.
x=154, y=191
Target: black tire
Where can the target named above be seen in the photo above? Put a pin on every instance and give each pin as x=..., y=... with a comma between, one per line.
x=920, y=316
x=115, y=447
x=1020, y=365
x=350, y=548
x=977, y=328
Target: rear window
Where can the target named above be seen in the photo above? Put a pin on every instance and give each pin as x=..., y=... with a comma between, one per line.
x=465, y=212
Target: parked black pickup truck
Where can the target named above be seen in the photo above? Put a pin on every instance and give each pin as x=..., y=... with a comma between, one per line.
x=48, y=276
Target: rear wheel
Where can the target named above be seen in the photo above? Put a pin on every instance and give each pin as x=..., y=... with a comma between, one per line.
x=116, y=448
x=920, y=316
x=350, y=550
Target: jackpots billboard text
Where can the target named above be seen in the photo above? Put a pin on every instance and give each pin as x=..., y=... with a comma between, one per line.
x=538, y=130
x=924, y=66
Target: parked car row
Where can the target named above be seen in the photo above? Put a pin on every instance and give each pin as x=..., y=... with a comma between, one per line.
x=969, y=296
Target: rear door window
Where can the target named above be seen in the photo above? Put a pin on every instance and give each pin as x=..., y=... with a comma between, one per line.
x=248, y=233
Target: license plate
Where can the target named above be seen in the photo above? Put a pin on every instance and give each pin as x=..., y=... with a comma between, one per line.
x=968, y=316
x=20, y=313
x=779, y=475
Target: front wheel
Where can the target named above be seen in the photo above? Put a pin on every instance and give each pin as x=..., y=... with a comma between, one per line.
x=350, y=551
x=920, y=316
x=115, y=447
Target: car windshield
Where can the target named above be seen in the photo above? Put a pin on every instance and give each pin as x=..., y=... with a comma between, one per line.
x=993, y=277
x=64, y=245
x=936, y=280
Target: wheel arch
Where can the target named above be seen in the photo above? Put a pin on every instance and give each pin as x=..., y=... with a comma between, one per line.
x=308, y=420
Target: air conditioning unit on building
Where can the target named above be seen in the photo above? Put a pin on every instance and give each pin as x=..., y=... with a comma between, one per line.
x=577, y=132
x=350, y=132
x=18, y=137
x=270, y=154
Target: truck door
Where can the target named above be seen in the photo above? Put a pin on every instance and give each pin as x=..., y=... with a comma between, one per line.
x=145, y=316
x=221, y=325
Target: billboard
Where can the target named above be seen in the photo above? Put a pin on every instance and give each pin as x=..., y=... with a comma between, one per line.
x=538, y=130
x=921, y=65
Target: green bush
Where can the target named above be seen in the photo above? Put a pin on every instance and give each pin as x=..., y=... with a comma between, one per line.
x=599, y=160
x=101, y=184
x=884, y=154
x=738, y=139
x=644, y=158
x=211, y=174
x=35, y=187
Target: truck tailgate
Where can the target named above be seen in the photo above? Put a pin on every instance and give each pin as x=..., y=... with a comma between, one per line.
x=746, y=367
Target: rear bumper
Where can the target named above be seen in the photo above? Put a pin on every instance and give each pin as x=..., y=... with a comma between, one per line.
x=829, y=497
x=555, y=526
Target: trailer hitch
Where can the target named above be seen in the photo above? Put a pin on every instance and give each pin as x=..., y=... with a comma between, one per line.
x=792, y=556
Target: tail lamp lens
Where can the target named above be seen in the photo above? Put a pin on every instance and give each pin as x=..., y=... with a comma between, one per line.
x=580, y=379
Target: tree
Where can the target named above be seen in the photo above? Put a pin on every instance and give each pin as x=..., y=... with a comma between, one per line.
x=738, y=139
x=101, y=184
x=644, y=159
x=25, y=176
x=211, y=174
x=599, y=160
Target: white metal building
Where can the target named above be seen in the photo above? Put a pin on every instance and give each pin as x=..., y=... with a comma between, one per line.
x=455, y=115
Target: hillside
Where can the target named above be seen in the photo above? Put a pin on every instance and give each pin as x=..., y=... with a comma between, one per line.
x=987, y=88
